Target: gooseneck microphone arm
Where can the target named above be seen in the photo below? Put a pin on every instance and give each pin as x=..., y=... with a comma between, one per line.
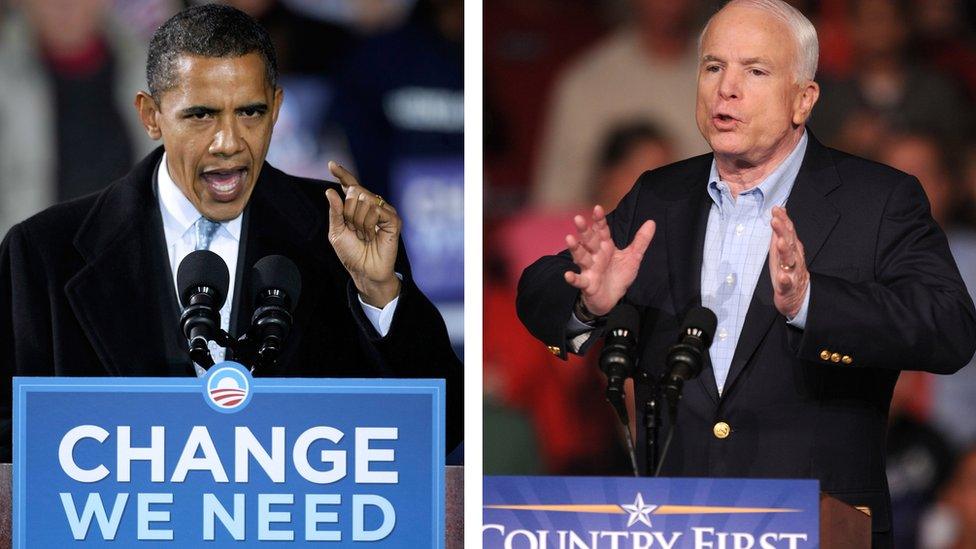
x=684, y=362
x=618, y=361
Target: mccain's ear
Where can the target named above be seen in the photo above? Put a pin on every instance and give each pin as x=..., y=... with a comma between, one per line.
x=149, y=113
x=805, y=100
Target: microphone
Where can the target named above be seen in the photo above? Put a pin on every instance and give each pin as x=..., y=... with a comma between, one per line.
x=619, y=352
x=202, y=279
x=276, y=285
x=684, y=359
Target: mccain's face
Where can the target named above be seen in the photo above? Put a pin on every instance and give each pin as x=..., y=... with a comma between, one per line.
x=749, y=103
x=216, y=126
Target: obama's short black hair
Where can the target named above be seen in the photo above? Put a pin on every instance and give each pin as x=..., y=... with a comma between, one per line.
x=210, y=30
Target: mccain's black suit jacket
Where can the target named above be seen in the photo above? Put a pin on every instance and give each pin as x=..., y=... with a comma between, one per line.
x=885, y=292
x=86, y=290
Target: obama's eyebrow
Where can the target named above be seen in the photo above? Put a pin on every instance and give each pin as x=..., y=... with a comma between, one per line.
x=197, y=110
x=259, y=106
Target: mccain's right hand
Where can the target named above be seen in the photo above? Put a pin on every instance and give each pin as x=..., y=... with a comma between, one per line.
x=605, y=271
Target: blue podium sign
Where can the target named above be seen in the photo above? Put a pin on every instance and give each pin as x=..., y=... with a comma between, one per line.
x=228, y=460
x=646, y=513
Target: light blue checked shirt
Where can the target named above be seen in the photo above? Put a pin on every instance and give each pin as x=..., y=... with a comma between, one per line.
x=736, y=247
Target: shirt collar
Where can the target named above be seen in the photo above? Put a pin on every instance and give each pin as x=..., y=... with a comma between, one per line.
x=775, y=189
x=179, y=214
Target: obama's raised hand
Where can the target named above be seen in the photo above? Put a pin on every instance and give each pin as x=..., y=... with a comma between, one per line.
x=365, y=232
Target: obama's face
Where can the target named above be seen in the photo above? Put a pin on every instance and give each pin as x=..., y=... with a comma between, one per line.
x=216, y=125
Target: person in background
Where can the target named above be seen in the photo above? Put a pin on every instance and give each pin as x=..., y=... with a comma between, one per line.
x=644, y=70
x=939, y=400
x=918, y=456
x=400, y=96
x=951, y=522
x=628, y=151
x=526, y=45
x=576, y=431
x=888, y=90
x=67, y=69
x=945, y=40
x=305, y=45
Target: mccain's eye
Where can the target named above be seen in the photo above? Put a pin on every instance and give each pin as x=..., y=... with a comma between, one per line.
x=758, y=72
x=712, y=68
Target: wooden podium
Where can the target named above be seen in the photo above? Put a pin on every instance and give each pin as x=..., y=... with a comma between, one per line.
x=453, y=506
x=842, y=526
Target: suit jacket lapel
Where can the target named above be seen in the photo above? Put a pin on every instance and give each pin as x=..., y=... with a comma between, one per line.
x=123, y=297
x=814, y=217
x=687, y=220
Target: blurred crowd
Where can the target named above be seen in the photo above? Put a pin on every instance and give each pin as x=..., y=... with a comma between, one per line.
x=581, y=96
x=374, y=84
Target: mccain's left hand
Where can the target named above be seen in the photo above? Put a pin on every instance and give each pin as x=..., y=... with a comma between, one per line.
x=787, y=265
x=365, y=232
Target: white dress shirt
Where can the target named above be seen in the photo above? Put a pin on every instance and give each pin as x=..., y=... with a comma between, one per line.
x=179, y=215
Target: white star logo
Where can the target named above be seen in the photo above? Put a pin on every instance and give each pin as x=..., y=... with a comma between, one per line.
x=639, y=511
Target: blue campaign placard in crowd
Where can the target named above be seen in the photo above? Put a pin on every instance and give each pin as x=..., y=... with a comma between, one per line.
x=645, y=513
x=227, y=460
x=429, y=194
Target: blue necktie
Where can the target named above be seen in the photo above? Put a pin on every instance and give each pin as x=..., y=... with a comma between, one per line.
x=205, y=230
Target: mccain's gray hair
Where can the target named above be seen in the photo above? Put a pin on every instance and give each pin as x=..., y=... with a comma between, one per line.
x=803, y=32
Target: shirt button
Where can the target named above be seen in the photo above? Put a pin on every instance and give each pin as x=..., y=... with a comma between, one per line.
x=723, y=334
x=730, y=279
x=721, y=430
x=739, y=229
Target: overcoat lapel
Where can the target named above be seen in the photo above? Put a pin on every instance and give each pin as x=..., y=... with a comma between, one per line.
x=281, y=221
x=124, y=297
x=814, y=217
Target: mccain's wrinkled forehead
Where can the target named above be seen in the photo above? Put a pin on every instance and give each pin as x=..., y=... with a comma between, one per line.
x=802, y=32
x=210, y=30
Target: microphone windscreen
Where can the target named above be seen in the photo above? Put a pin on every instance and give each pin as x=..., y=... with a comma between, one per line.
x=624, y=315
x=202, y=268
x=279, y=273
x=703, y=320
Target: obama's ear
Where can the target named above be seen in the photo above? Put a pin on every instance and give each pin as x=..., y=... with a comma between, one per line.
x=279, y=98
x=149, y=114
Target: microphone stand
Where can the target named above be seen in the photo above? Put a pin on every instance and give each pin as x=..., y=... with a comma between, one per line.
x=240, y=349
x=652, y=424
